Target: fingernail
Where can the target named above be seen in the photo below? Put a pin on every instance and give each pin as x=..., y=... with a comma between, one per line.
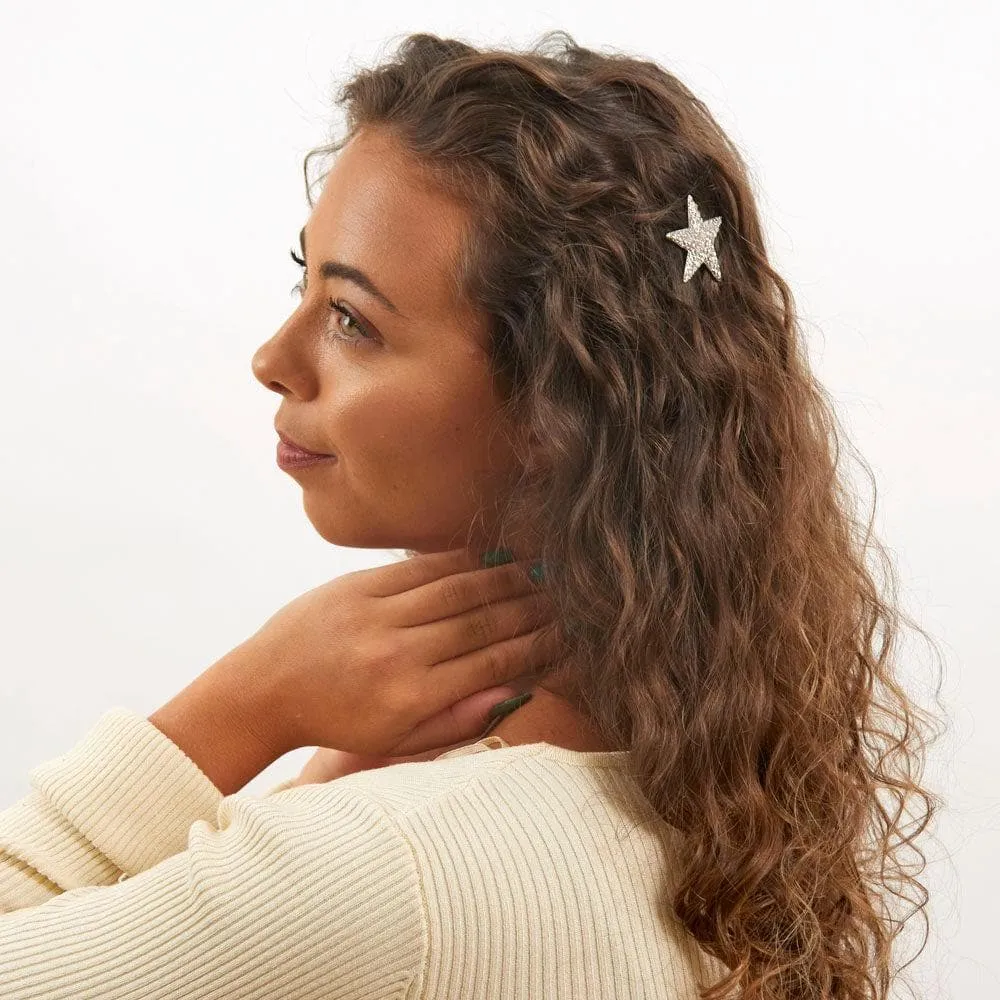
x=504, y=708
x=497, y=557
x=537, y=572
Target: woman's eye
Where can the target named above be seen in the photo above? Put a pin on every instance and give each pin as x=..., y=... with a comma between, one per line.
x=362, y=334
x=340, y=313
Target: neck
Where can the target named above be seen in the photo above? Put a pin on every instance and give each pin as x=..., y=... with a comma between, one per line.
x=549, y=718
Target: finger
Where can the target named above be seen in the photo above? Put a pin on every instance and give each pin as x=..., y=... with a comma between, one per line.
x=485, y=625
x=500, y=663
x=461, y=592
x=327, y=763
x=415, y=571
x=461, y=722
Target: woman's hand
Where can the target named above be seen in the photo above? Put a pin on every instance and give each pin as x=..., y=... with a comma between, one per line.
x=399, y=659
x=326, y=764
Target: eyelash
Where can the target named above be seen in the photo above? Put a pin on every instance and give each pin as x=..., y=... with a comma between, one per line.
x=336, y=307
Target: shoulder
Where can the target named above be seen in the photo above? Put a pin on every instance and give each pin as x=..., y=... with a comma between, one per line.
x=536, y=776
x=532, y=788
x=502, y=806
x=505, y=846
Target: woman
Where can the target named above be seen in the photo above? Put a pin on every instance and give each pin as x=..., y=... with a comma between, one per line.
x=537, y=315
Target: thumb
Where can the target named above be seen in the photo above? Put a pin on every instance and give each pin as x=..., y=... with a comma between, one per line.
x=464, y=720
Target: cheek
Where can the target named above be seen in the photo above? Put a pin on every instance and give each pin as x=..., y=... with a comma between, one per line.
x=437, y=443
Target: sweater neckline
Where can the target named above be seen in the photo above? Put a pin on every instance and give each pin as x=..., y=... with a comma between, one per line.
x=585, y=757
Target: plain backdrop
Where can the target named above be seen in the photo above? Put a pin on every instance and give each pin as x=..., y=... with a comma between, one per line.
x=151, y=187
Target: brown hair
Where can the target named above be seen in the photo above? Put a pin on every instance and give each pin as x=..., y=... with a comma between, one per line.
x=704, y=553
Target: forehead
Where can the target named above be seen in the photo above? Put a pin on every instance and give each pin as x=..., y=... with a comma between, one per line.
x=378, y=212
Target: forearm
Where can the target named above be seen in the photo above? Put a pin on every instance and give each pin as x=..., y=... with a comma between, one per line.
x=225, y=722
x=120, y=800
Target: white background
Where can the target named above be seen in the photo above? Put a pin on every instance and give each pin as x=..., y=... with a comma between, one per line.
x=151, y=186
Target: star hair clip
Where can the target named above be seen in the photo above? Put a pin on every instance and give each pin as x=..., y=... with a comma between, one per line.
x=699, y=241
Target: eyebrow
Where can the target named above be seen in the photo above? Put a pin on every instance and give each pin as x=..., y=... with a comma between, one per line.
x=337, y=269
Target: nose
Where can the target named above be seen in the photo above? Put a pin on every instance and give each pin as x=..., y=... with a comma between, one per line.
x=284, y=363
x=288, y=363
x=262, y=366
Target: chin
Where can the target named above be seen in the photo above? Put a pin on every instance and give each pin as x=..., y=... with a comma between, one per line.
x=330, y=526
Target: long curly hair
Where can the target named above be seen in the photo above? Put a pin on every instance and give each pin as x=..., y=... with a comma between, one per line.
x=705, y=556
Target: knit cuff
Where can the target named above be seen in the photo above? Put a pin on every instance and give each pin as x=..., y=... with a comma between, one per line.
x=129, y=790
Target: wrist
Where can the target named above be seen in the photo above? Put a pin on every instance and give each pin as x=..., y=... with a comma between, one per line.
x=225, y=722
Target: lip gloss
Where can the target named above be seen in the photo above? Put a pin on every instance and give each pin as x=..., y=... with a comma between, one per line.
x=290, y=457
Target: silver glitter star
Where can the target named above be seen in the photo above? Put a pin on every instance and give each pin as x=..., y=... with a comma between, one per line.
x=699, y=241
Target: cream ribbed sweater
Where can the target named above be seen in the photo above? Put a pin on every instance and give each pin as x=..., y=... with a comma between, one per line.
x=492, y=872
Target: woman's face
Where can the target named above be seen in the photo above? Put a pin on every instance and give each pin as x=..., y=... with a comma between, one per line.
x=403, y=396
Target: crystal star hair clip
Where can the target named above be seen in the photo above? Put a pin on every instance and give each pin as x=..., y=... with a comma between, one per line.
x=699, y=241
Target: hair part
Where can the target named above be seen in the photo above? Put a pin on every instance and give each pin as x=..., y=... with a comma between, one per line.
x=705, y=555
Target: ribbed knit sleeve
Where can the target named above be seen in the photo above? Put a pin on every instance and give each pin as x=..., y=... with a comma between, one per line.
x=265, y=903
x=117, y=803
x=489, y=873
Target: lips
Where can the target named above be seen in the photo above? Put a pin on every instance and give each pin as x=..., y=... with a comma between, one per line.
x=295, y=447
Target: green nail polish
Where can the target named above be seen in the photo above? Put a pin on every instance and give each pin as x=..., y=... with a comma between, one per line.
x=537, y=572
x=504, y=708
x=497, y=557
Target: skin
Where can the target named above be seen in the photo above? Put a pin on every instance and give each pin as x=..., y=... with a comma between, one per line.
x=405, y=399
